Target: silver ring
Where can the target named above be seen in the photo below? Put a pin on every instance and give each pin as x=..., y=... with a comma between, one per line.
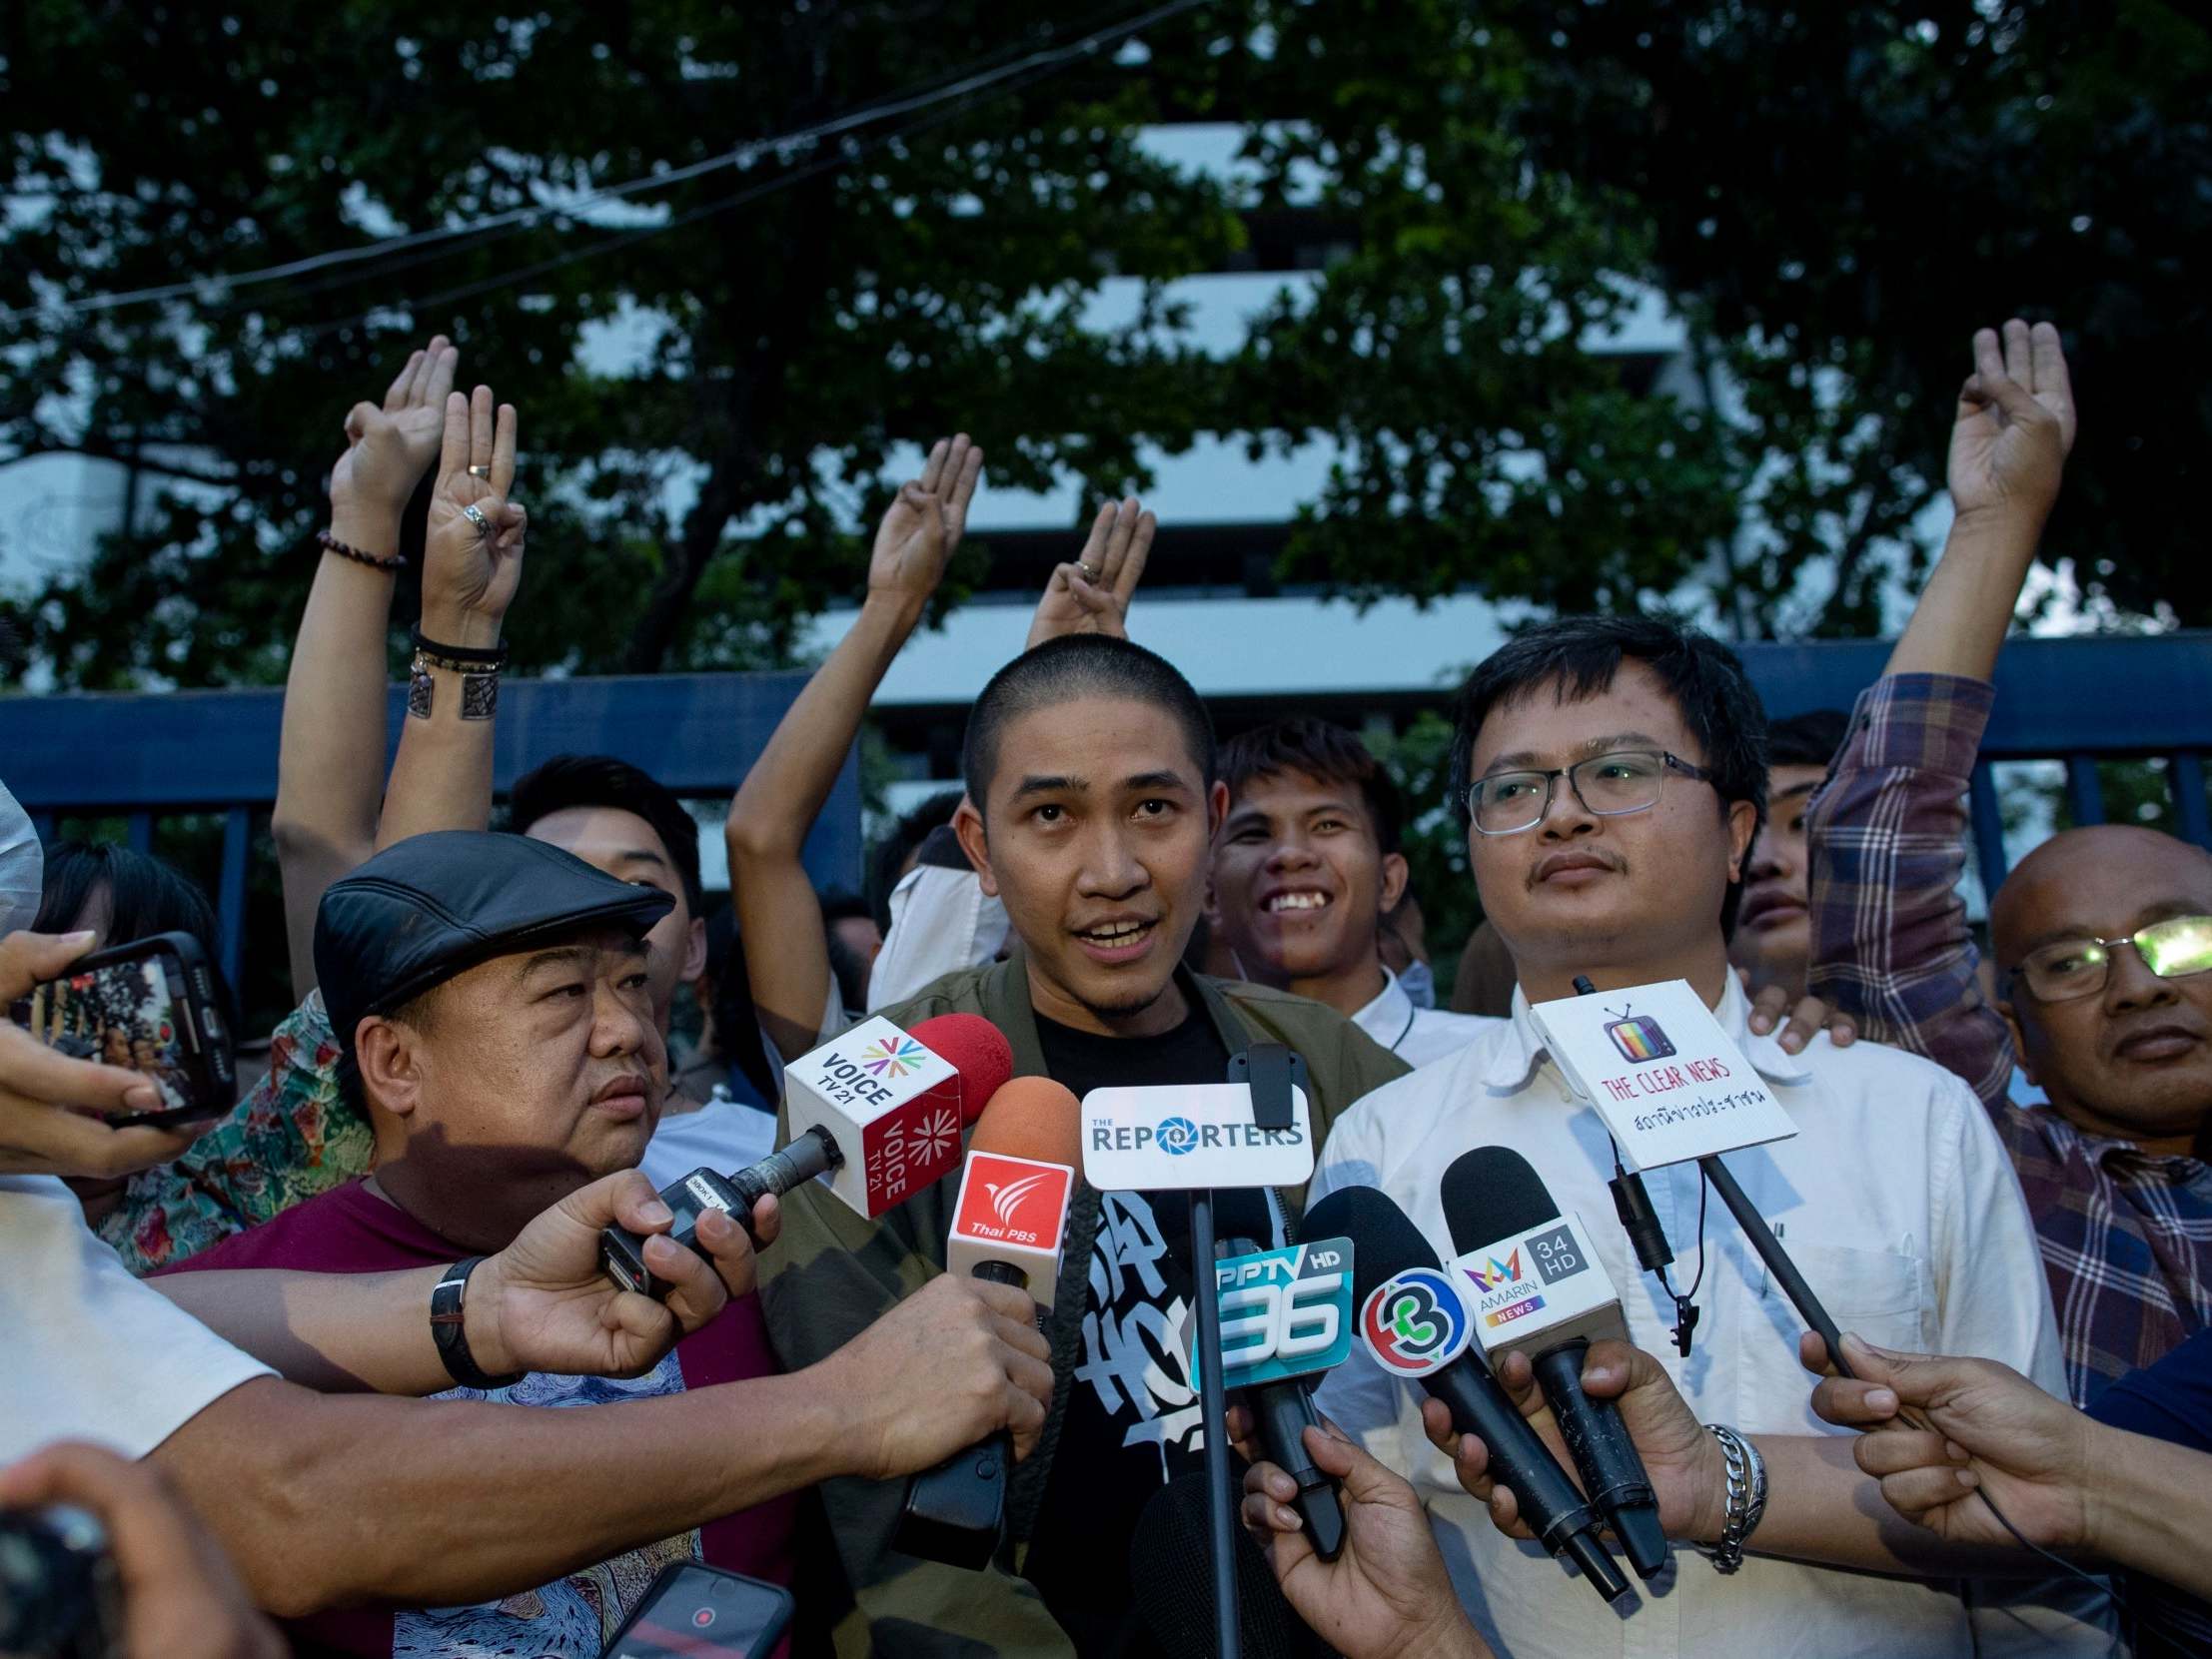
x=474, y=515
x=1089, y=574
x=480, y=473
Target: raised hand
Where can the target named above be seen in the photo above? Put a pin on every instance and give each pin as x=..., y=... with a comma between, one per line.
x=387, y=450
x=925, y=523
x=471, y=569
x=1092, y=595
x=2014, y=426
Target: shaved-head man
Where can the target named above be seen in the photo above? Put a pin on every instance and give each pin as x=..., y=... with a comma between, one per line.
x=2103, y=939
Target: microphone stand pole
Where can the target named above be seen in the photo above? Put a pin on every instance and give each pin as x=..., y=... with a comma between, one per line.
x=1213, y=1406
x=1777, y=1258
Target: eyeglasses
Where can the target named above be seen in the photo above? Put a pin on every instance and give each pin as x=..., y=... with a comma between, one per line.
x=1628, y=780
x=2071, y=967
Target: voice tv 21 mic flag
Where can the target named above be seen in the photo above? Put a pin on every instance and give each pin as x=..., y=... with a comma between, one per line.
x=1671, y=1084
x=891, y=1105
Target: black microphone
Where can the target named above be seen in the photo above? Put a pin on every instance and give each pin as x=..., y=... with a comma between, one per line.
x=623, y=1252
x=1385, y=1245
x=1498, y=1209
x=1281, y=1413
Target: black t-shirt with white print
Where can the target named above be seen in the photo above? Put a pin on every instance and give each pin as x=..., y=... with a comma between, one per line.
x=1132, y=1418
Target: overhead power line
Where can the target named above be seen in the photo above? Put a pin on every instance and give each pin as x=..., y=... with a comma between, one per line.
x=963, y=87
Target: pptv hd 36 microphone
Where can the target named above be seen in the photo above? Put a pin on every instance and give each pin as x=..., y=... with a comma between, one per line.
x=1535, y=1284
x=1006, y=1227
x=880, y=1111
x=1414, y=1323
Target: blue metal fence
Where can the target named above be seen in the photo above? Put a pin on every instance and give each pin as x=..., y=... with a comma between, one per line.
x=2081, y=702
x=148, y=757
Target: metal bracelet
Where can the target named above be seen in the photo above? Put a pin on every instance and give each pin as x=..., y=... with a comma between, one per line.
x=1746, y=1476
x=479, y=688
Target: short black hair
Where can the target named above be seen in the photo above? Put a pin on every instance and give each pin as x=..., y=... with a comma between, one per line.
x=1808, y=739
x=1080, y=665
x=1580, y=655
x=899, y=844
x=1322, y=750
x=602, y=781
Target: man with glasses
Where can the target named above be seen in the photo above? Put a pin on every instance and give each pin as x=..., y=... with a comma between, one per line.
x=1614, y=775
x=2102, y=937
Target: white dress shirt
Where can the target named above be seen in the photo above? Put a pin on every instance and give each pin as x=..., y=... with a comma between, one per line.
x=1417, y=1035
x=1896, y=1202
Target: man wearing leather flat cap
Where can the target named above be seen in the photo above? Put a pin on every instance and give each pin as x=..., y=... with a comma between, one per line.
x=491, y=992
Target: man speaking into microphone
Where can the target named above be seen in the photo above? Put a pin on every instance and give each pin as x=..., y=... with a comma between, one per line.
x=1612, y=777
x=1091, y=771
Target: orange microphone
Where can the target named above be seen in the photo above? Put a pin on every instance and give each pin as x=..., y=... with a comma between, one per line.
x=1013, y=1205
x=1008, y=1227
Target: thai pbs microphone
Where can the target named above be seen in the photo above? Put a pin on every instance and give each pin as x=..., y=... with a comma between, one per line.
x=1540, y=1289
x=1415, y=1324
x=1007, y=1228
x=878, y=1110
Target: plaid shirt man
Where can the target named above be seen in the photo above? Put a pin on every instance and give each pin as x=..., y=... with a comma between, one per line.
x=2126, y=1237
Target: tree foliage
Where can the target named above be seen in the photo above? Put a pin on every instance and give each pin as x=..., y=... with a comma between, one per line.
x=1833, y=195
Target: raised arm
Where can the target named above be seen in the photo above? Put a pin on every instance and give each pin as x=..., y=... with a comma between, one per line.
x=779, y=917
x=1887, y=831
x=331, y=755
x=472, y=566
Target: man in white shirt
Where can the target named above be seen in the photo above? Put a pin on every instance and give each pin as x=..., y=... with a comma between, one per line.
x=1305, y=869
x=1613, y=772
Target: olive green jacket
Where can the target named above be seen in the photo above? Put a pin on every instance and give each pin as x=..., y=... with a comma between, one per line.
x=833, y=1273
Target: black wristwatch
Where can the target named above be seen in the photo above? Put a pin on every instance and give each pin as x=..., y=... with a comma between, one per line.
x=451, y=1339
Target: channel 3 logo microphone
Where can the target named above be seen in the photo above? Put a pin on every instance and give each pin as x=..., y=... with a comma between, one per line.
x=877, y=1114
x=1286, y=1318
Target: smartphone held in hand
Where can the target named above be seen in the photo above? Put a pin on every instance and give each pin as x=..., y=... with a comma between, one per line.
x=147, y=1007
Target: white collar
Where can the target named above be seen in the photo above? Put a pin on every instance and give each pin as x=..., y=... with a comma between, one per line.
x=1519, y=1048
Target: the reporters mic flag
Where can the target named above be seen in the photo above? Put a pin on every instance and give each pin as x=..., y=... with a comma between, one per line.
x=1008, y=1227
x=1415, y=1324
x=1537, y=1286
x=880, y=1111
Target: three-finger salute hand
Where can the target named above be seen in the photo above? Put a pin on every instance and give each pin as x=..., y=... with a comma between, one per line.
x=472, y=556
x=389, y=447
x=1092, y=595
x=922, y=528
x=2014, y=426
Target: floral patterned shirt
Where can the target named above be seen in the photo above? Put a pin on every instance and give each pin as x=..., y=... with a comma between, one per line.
x=288, y=1141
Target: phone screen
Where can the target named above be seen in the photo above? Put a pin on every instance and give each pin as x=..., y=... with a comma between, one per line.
x=128, y=1014
x=697, y=1612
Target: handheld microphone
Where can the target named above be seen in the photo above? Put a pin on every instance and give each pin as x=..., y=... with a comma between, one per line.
x=1416, y=1326
x=1007, y=1228
x=896, y=1101
x=1283, y=1407
x=1541, y=1290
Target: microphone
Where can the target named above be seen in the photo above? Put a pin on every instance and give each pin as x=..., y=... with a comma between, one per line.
x=896, y=1101
x=1285, y=1315
x=1417, y=1328
x=1543, y=1291
x=1008, y=1227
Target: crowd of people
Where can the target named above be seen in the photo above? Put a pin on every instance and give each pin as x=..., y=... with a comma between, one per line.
x=285, y=1353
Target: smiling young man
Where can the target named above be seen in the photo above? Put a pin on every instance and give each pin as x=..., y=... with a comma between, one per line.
x=1305, y=869
x=1091, y=768
x=1614, y=774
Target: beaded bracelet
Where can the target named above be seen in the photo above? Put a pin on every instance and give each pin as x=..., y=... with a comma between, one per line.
x=396, y=561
